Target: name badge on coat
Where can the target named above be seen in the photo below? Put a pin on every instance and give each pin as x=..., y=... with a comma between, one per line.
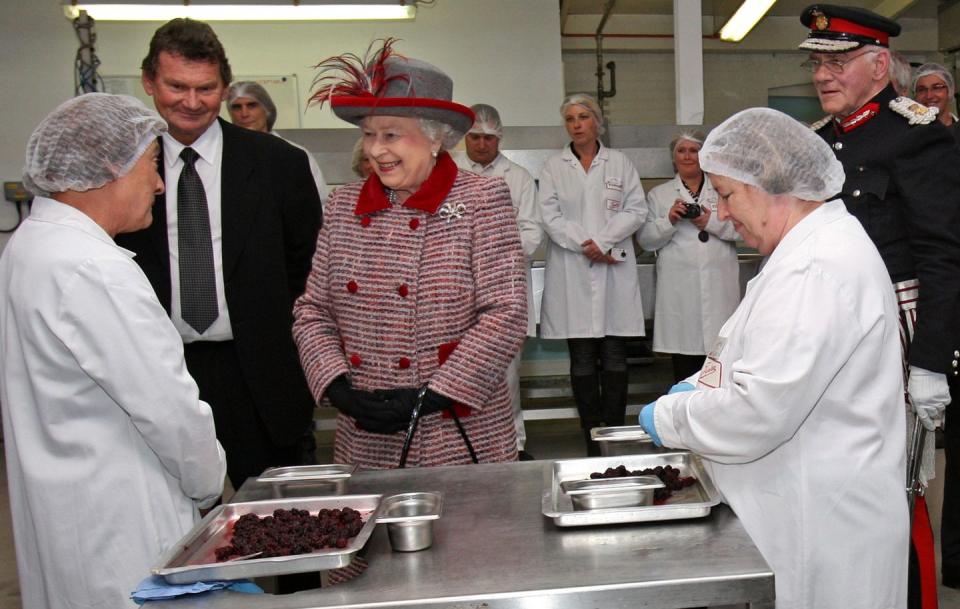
x=614, y=183
x=711, y=375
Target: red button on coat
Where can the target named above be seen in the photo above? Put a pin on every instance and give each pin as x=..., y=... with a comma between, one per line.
x=365, y=221
x=414, y=223
x=403, y=290
x=352, y=287
x=355, y=360
x=404, y=363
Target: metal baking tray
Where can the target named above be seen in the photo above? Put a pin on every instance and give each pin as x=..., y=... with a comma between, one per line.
x=629, y=491
x=329, y=479
x=692, y=502
x=625, y=440
x=192, y=559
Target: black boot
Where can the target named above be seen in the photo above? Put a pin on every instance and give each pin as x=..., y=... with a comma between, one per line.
x=613, y=400
x=593, y=448
x=586, y=393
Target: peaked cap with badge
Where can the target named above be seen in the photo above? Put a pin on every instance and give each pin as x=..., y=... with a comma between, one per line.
x=838, y=29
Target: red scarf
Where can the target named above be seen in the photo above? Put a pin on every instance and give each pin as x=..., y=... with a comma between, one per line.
x=433, y=191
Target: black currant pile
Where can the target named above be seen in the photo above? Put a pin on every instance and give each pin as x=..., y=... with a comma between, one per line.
x=669, y=475
x=290, y=532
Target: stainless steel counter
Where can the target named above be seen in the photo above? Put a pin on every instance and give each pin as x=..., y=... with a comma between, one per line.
x=494, y=549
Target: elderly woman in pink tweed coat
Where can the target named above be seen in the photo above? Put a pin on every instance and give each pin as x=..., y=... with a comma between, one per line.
x=416, y=302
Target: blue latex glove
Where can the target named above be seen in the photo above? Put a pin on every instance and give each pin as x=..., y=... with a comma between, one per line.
x=155, y=588
x=646, y=421
x=681, y=387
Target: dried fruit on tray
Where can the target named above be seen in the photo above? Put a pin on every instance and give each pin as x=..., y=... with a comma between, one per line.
x=290, y=532
x=669, y=475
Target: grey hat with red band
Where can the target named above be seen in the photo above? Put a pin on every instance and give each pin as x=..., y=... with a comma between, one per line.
x=387, y=84
x=839, y=29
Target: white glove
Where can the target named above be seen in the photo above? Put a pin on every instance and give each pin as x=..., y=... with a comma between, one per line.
x=929, y=395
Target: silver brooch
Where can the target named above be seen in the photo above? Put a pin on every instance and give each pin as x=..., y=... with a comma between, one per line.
x=451, y=211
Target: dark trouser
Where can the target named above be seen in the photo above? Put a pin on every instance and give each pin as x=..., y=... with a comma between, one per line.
x=686, y=365
x=216, y=369
x=950, y=517
x=600, y=394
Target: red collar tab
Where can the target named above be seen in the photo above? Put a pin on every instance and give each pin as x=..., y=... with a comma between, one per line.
x=860, y=117
x=433, y=191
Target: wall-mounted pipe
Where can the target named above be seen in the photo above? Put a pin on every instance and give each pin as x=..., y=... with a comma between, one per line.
x=601, y=92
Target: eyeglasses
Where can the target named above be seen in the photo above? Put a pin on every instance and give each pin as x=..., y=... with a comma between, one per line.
x=832, y=65
x=937, y=88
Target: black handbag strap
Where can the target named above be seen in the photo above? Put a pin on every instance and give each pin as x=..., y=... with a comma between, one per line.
x=412, y=428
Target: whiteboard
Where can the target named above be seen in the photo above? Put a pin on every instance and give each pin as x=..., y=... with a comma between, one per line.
x=282, y=89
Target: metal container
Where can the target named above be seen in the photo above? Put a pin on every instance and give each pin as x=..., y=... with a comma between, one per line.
x=193, y=558
x=600, y=493
x=625, y=440
x=409, y=518
x=328, y=479
x=692, y=502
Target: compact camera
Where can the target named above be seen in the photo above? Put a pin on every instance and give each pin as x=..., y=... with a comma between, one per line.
x=618, y=253
x=692, y=210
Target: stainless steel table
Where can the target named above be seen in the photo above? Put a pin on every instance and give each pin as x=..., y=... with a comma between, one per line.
x=494, y=549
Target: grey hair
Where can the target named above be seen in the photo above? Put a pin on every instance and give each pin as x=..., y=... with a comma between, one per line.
x=588, y=102
x=935, y=69
x=357, y=157
x=253, y=90
x=691, y=135
x=441, y=133
x=900, y=73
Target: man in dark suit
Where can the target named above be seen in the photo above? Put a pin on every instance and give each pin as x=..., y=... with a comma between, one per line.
x=228, y=251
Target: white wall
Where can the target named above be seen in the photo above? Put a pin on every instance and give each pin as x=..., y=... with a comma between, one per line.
x=486, y=47
x=502, y=52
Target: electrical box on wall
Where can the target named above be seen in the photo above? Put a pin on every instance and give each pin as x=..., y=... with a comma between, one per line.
x=15, y=192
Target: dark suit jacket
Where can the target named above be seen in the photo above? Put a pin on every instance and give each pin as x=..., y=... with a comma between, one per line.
x=271, y=215
x=902, y=184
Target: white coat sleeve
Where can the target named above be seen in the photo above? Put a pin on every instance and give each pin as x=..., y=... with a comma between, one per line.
x=657, y=230
x=631, y=215
x=528, y=214
x=568, y=235
x=782, y=373
x=123, y=339
x=318, y=178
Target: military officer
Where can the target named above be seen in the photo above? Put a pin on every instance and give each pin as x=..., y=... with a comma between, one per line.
x=902, y=186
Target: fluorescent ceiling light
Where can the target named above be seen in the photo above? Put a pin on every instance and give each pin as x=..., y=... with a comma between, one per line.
x=747, y=16
x=242, y=12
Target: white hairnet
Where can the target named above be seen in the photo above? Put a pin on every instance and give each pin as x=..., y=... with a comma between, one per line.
x=935, y=69
x=588, y=102
x=768, y=149
x=88, y=141
x=487, y=120
x=256, y=92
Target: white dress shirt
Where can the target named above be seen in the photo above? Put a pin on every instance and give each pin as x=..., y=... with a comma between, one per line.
x=210, y=148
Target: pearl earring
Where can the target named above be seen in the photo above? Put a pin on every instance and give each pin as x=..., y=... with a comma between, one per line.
x=434, y=153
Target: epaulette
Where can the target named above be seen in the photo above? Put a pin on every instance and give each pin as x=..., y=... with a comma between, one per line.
x=914, y=111
x=823, y=122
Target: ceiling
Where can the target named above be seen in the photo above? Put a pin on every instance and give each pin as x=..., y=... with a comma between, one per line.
x=924, y=9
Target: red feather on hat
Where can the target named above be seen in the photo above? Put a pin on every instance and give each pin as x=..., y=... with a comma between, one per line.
x=349, y=75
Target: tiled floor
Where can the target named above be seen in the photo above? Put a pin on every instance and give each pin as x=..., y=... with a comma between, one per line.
x=546, y=439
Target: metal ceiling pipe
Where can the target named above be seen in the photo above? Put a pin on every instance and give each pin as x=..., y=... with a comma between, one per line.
x=601, y=93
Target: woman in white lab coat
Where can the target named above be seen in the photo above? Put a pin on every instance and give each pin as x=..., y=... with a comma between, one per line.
x=109, y=449
x=698, y=278
x=798, y=411
x=592, y=203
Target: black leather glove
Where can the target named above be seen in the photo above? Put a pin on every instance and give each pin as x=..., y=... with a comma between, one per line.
x=374, y=411
x=434, y=402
